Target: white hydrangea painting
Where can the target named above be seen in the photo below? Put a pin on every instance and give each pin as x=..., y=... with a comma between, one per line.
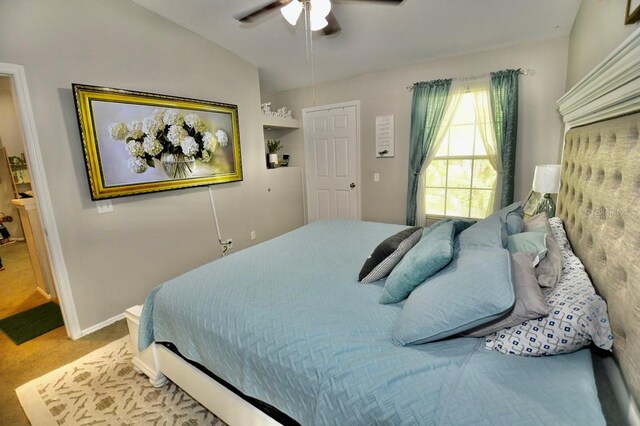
x=153, y=143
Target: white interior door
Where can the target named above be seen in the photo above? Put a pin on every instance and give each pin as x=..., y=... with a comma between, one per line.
x=332, y=157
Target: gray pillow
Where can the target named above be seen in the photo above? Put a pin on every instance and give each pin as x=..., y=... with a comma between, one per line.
x=530, y=302
x=387, y=255
x=549, y=269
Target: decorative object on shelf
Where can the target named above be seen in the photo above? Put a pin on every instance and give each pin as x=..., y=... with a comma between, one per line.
x=285, y=160
x=633, y=12
x=283, y=112
x=546, y=181
x=273, y=146
x=385, y=142
x=137, y=142
x=20, y=177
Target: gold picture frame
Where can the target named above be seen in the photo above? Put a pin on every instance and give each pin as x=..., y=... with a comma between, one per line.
x=633, y=12
x=136, y=143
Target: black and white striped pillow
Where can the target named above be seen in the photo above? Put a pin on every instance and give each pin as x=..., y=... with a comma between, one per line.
x=388, y=254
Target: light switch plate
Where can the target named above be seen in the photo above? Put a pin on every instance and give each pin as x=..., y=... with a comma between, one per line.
x=104, y=206
x=376, y=177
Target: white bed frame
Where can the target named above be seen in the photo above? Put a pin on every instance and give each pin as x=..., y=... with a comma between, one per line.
x=600, y=95
x=159, y=364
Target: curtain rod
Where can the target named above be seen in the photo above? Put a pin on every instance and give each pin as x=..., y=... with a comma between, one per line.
x=527, y=71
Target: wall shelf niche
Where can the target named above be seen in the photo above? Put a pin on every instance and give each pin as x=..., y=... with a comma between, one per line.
x=279, y=123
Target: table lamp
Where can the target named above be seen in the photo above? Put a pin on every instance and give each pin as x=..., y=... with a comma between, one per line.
x=546, y=181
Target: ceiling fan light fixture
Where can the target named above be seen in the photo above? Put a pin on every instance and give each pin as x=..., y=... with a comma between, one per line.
x=291, y=12
x=318, y=22
x=320, y=7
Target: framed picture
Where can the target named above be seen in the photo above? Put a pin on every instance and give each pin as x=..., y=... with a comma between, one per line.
x=531, y=203
x=137, y=142
x=633, y=12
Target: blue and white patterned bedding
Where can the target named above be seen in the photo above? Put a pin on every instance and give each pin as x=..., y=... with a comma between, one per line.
x=287, y=323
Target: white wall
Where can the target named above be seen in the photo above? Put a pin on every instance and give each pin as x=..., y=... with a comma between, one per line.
x=598, y=29
x=113, y=260
x=11, y=139
x=381, y=93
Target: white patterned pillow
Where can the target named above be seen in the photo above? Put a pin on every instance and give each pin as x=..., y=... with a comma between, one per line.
x=577, y=317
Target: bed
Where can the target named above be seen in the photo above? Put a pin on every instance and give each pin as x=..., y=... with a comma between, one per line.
x=282, y=333
x=291, y=331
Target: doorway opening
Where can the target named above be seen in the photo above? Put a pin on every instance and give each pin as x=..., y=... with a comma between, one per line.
x=44, y=218
x=28, y=294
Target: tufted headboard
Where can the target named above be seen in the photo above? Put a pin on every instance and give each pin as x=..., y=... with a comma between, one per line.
x=599, y=203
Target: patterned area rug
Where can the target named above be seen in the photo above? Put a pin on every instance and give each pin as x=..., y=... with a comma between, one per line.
x=102, y=388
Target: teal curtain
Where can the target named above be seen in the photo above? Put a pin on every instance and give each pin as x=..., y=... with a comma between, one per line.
x=504, y=107
x=429, y=102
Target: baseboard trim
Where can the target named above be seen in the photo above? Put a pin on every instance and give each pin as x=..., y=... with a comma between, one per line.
x=625, y=401
x=44, y=293
x=103, y=324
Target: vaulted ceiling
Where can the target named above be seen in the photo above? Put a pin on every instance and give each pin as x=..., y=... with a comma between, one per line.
x=374, y=36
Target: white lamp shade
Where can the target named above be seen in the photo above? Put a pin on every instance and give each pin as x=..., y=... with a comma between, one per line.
x=291, y=12
x=546, y=178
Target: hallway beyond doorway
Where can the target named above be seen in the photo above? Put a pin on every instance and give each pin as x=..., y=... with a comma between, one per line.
x=18, y=290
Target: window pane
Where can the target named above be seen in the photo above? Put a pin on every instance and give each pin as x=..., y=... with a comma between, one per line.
x=465, y=113
x=444, y=146
x=436, y=174
x=483, y=174
x=458, y=182
x=480, y=199
x=461, y=139
x=459, y=174
x=434, y=200
x=479, y=146
x=458, y=202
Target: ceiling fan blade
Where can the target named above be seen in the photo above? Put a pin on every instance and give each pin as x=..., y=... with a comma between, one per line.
x=256, y=13
x=333, y=27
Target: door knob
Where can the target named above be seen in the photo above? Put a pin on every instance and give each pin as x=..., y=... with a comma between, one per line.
x=353, y=185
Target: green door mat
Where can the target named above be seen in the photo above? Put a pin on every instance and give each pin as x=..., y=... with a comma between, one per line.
x=30, y=324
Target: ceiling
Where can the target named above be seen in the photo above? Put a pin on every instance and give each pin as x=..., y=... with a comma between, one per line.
x=375, y=36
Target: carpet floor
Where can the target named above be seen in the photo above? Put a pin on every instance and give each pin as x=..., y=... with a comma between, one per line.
x=103, y=388
x=39, y=356
x=17, y=282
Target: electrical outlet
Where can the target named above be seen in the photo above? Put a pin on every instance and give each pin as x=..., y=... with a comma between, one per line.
x=104, y=206
x=376, y=177
x=228, y=243
x=253, y=235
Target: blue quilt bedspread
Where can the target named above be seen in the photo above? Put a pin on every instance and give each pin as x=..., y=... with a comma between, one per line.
x=286, y=322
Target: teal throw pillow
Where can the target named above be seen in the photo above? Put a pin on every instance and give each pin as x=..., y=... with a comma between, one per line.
x=529, y=242
x=474, y=289
x=433, y=252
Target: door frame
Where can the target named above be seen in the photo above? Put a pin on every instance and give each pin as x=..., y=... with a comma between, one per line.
x=45, y=207
x=305, y=112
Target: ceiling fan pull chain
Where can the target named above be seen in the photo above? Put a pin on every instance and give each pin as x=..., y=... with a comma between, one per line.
x=307, y=31
x=309, y=47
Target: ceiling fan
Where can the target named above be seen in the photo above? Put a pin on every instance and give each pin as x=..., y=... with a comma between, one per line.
x=320, y=16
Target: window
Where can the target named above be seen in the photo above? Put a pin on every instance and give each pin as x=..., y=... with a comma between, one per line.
x=460, y=180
